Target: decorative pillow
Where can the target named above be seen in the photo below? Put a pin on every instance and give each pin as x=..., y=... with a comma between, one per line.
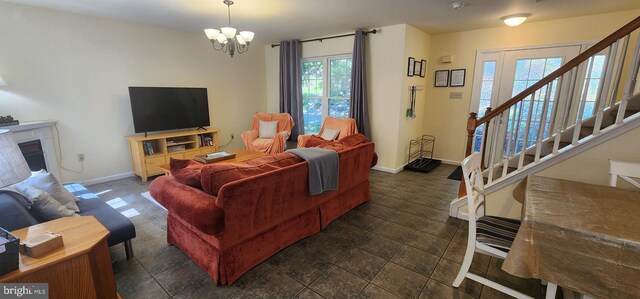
x=268, y=129
x=353, y=140
x=48, y=183
x=214, y=176
x=329, y=134
x=186, y=171
x=44, y=207
x=314, y=141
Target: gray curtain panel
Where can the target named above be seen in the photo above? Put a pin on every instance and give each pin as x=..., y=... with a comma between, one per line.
x=291, y=85
x=359, y=106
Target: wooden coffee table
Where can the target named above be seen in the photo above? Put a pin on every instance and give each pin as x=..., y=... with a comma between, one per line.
x=241, y=155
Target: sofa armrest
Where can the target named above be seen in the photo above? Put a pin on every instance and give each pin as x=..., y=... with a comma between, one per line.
x=302, y=139
x=248, y=137
x=191, y=204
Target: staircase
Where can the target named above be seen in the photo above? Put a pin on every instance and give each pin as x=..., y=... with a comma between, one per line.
x=567, y=123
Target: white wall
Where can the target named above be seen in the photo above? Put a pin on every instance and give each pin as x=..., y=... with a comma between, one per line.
x=75, y=69
x=417, y=44
x=387, y=86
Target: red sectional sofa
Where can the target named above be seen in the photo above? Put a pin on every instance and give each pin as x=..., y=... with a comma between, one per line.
x=252, y=218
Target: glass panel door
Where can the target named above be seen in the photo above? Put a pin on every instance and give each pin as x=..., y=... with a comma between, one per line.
x=523, y=68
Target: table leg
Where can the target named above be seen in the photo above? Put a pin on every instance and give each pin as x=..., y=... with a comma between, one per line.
x=551, y=290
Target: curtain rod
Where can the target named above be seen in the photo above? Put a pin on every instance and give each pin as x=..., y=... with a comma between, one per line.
x=320, y=39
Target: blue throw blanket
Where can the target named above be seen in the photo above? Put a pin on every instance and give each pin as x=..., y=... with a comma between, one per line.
x=323, y=168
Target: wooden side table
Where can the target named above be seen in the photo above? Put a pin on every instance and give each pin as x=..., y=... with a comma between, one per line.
x=81, y=269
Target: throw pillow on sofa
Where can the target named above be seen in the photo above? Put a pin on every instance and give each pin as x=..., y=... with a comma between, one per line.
x=268, y=129
x=44, y=207
x=47, y=182
x=186, y=171
x=213, y=177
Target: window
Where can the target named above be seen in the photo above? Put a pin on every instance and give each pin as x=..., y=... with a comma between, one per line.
x=326, y=89
x=488, y=74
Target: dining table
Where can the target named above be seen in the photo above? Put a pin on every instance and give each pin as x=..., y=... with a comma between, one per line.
x=580, y=236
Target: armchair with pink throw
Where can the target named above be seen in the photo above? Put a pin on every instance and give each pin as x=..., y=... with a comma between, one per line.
x=344, y=126
x=272, y=142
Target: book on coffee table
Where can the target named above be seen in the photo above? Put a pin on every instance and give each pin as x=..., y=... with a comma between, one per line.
x=214, y=157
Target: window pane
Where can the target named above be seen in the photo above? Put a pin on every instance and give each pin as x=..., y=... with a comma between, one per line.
x=339, y=108
x=340, y=70
x=312, y=114
x=489, y=70
x=312, y=78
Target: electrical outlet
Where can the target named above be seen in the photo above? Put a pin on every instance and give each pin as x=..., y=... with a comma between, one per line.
x=232, y=136
x=81, y=157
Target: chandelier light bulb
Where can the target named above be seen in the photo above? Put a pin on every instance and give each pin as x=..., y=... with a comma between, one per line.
x=247, y=35
x=229, y=32
x=221, y=38
x=515, y=20
x=212, y=33
x=240, y=40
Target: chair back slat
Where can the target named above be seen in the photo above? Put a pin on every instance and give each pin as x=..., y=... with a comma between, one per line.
x=474, y=182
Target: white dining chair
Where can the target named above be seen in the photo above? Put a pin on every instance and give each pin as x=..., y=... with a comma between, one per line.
x=627, y=171
x=487, y=234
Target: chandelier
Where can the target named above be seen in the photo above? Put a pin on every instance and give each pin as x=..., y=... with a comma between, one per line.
x=226, y=40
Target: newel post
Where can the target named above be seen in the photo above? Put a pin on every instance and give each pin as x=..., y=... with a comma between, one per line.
x=484, y=139
x=471, y=130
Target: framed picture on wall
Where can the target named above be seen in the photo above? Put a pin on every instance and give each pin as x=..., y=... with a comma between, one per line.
x=412, y=62
x=457, y=78
x=417, y=65
x=423, y=68
x=441, y=78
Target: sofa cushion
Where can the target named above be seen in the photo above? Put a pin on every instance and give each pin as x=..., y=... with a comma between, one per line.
x=214, y=176
x=186, y=172
x=119, y=226
x=48, y=183
x=44, y=207
x=13, y=215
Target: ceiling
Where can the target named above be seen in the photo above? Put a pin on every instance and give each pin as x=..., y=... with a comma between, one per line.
x=275, y=20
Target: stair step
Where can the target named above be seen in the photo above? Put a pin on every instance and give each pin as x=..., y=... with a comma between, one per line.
x=528, y=158
x=561, y=145
x=627, y=112
x=586, y=131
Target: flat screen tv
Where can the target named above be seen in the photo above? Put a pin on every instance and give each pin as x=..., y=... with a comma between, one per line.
x=168, y=108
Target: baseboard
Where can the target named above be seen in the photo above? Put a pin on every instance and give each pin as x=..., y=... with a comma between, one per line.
x=387, y=169
x=105, y=179
x=450, y=162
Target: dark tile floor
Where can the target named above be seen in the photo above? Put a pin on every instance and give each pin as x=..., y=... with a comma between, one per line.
x=401, y=244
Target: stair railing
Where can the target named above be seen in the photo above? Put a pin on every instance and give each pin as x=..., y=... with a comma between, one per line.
x=501, y=154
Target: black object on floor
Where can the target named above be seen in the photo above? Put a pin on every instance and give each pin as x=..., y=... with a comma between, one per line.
x=422, y=164
x=456, y=174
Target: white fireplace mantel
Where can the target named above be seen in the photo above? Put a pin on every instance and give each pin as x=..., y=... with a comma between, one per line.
x=39, y=130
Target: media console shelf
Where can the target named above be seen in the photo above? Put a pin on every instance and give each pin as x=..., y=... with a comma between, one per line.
x=148, y=153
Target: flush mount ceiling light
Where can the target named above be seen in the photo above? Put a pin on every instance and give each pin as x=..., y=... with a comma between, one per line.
x=226, y=40
x=458, y=4
x=515, y=20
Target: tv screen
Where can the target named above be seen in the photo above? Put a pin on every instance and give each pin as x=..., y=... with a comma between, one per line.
x=168, y=108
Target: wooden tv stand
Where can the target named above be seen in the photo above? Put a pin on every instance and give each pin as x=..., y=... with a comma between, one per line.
x=164, y=146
